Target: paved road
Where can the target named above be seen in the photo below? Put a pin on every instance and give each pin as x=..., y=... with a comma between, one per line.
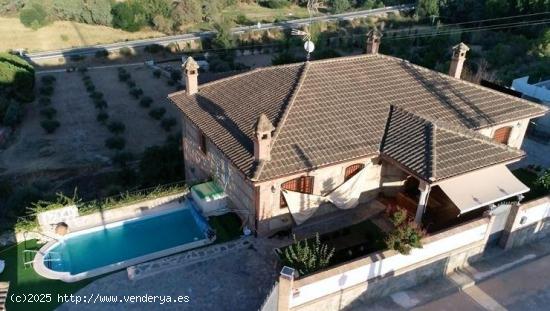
x=90, y=50
x=524, y=288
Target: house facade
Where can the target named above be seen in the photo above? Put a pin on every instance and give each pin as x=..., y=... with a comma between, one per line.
x=289, y=143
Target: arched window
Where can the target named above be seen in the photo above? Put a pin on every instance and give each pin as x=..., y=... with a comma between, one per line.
x=352, y=170
x=502, y=134
x=303, y=184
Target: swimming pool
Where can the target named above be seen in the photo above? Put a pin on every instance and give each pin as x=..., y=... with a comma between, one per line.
x=104, y=249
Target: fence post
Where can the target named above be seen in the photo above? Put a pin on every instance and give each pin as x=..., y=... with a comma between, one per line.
x=506, y=240
x=286, y=280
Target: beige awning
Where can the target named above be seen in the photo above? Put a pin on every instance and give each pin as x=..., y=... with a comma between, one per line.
x=482, y=187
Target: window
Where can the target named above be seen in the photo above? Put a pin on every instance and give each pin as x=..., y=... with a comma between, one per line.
x=303, y=184
x=352, y=170
x=202, y=142
x=502, y=135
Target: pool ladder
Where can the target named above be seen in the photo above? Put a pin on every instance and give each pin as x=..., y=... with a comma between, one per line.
x=28, y=258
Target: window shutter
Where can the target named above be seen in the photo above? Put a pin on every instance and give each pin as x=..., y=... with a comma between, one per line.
x=502, y=135
x=352, y=170
x=303, y=184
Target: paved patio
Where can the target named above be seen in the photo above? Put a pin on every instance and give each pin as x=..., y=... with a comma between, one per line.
x=239, y=280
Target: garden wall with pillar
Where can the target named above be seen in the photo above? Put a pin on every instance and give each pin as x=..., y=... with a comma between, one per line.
x=527, y=222
x=381, y=273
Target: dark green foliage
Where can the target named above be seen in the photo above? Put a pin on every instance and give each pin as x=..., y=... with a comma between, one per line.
x=84, y=11
x=285, y=57
x=275, y=4
x=156, y=73
x=223, y=38
x=33, y=15
x=16, y=78
x=44, y=101
x=162, y=164
x=128, y=15
x=171, y=82
x=168, y=123
x=153, y=48
x=406, y=234
x=427, y=8
x=307, y=256
x=122, y=158
x=101, y=53
x=46, y=90
x=131, y=83
x=145, y=101
x=96, y=95
x=100, y=103
x=136, y=92
x=50, y=125
x=339, y=6
x=90, y=88
x=116, y=142
x=123, y=76
x=116, y=127
x=157, y=113
x=13, y=114
x=48, y=113
x=102, y=117
x=543, y=180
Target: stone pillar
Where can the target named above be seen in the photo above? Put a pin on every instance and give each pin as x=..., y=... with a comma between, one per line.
x=286, y=279
x=507, y=239
x=422, y=201
x=457, y=61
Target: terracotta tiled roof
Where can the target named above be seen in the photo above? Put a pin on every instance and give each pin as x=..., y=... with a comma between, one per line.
x=435, y=150
x=335, y=110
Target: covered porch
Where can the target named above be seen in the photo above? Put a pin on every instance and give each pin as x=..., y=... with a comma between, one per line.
x=442, y=204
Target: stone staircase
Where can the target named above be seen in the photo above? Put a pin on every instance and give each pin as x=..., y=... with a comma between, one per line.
x=4, y=287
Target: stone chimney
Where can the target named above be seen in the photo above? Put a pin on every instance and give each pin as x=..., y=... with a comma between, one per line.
x=191, y=73
x=262, y=139
x=373, y=41
x=457, y=62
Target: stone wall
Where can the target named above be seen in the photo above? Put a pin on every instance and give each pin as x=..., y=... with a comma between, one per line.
x=212, y=164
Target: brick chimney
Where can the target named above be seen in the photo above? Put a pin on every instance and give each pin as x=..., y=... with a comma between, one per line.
x=191, y=73
x=457, y=62
x=262, y=139
x=373, y=41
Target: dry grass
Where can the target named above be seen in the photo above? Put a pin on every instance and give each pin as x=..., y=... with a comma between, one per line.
x=62, y=34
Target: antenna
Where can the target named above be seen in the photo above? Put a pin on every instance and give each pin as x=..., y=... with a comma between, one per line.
x=309, y=46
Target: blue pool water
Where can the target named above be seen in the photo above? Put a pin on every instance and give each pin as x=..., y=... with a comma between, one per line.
x=126, y=240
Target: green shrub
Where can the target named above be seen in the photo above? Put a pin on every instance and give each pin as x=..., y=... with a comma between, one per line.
x=162, y=164
x=102, y=117
x=405, y=235
x=136, y=92
x=96, y=95
x=153, y=48
x=122, y=158
x=33, y=15
x=157, y=113
x=50, y=125
x=131, y=83
x=171, y=82
x=44, y=101
x=168, y=123
x=101, y=53
x=145, y=101
x=13, y=115
x=46, y=90
x=116, y=142
x=116, y=127
x=123, y=76
x=48, y=79
x=307, y=256
x=543, y=180
x=156, y=73
x=129, y=15
x=48, y=113
x=275, y=4
x=16, y=77
x=100, y=103
x=90, y=88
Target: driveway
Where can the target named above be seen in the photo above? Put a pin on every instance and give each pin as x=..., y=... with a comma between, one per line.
x=239, y=280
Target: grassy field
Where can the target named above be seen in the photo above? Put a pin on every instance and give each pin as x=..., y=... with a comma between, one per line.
x=26, y=281
x=62, y=34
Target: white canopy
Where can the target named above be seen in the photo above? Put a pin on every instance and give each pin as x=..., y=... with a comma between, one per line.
x=482, y=187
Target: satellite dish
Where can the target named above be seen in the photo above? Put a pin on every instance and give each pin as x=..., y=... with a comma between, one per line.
x=309, y=46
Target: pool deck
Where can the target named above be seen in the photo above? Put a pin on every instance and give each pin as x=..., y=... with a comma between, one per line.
x=238, y=280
